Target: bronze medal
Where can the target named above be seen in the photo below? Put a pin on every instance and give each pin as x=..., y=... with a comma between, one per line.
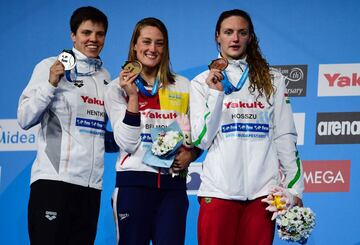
x=219, y=64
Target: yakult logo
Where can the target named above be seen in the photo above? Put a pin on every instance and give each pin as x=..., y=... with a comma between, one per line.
x=338, y=128
x=241, y=104
x=159, y=115
x=327, y=176
x=95, y=101
x=339, y=80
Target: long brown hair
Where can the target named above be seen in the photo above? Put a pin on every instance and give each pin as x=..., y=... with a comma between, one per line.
x=164, y=70
x=259, y=71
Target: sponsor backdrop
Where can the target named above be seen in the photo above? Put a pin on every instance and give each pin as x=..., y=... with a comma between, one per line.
x=313, y=43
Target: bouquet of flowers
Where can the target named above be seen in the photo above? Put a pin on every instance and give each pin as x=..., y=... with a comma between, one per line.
x=296, y=224
x=166, y=143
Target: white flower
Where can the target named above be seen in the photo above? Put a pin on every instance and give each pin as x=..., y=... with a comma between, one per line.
x=165, y=142
x=296, y=224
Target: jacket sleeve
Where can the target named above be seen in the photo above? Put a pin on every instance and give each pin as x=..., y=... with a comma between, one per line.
x=205, y=112
x=125, y=125
x=36, y=97
x=285, y=137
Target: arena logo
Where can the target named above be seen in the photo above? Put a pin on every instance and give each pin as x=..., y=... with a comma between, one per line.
x=295, y=79
x=338, y=128
x=13, y=138
x=327, y=176
x=339, y=80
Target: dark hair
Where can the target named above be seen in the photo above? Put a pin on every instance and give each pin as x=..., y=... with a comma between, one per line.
x=259, y=71
x=87, y=13
x=164, y=71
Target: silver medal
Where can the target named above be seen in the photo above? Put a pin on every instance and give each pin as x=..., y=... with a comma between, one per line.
x=67, y=59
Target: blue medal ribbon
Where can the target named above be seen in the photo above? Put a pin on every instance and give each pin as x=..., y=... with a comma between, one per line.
x=68, y=75
x=87, y=67
x=140, y=84
x=227, y=85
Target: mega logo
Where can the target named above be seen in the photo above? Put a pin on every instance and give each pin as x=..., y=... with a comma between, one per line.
x=327, y=176
x=319, y=176
x=339, y=80
x=295, y=79
x=13, y=138
x=338, y=128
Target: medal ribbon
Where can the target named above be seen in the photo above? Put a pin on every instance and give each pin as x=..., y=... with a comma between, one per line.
x=227, y=85
x=88, y=67
x=68, y=74
x=140, y=84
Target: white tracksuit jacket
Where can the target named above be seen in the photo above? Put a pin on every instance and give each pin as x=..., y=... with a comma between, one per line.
x=157, y=111
x=248, y=140
x=72, y=119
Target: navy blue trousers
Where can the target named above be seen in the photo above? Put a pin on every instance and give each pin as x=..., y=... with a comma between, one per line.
x=146, y=214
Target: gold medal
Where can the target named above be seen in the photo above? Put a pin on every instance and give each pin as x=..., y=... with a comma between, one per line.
x=133, y=66
x=219, y=64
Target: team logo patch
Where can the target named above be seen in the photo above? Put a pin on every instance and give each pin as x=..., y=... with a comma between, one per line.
x=50, y=215
x=123, y=216
x=78, y=83
x=207, y=200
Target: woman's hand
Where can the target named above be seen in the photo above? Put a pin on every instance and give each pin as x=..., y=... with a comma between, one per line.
x=126, y=81
x=214, y=79
x=57, y=70
x=184, y=156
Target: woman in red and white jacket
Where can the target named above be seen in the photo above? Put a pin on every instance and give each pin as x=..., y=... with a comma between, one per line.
x=149, y=203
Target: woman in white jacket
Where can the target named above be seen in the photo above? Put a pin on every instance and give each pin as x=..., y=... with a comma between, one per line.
x=67, y=174
x=242, y=116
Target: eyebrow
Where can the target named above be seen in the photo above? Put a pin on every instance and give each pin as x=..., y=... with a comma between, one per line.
x=156, y=40
x=232, y=29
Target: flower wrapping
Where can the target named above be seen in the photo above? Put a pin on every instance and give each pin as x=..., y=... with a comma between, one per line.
x=279, y=199
x=166, y=142
x=296, y=224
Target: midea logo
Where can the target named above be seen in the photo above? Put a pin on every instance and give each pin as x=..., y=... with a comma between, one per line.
x=13, y=138
x=338, y=128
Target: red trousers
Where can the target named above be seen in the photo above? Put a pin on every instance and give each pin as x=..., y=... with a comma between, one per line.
x=227, y=222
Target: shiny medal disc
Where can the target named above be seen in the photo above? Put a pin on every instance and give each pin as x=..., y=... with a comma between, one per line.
x=219, y=64
x=67, y=59
x=133, y=66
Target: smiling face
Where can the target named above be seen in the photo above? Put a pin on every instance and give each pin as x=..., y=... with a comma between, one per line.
x=149, y=47
x=233, y=37
x=89, y=38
